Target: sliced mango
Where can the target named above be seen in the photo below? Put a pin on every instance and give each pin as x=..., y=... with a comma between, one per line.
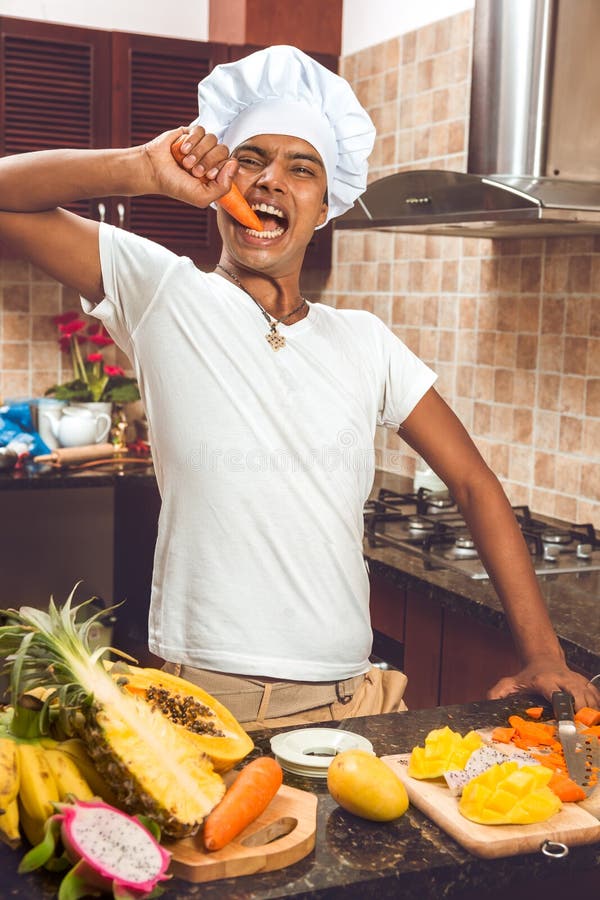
x=509, y=794
x=444, y=751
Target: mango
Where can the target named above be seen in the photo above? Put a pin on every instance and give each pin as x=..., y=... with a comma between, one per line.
x=444, y=751
x=507, y=794
x=365, y=786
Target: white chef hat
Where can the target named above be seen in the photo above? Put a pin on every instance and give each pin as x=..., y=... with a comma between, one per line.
x=281, y=90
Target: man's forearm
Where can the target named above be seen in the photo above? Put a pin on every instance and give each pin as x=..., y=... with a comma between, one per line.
x=31, y=182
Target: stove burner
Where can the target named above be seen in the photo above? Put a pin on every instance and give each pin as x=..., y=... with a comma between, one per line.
x=419, y=524
x=464, y=548
x=428, y=524
x=556, y=537
x=438, y=501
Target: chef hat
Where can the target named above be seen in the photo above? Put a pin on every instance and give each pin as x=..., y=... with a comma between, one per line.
x=281, y=90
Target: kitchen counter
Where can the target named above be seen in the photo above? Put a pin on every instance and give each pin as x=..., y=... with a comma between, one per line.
x=573, y=599
x=45, y=477
x=409, y=858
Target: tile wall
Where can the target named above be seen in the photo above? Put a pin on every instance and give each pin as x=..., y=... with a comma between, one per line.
x=511, y=326
x=30, y=360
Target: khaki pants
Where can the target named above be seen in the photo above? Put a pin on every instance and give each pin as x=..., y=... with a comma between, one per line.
x=265, y=703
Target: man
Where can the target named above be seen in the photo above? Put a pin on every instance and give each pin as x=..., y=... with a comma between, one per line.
x=264, y=448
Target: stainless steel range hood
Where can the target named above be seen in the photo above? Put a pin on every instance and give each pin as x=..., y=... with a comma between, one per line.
x=533, y=161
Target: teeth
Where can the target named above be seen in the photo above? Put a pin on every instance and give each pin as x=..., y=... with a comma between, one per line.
x=265, y=234
x=267, y=208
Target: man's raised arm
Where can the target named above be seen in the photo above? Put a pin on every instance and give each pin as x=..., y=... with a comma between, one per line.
x=33, y=187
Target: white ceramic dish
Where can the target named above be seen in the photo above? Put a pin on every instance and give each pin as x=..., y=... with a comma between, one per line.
x=309, y=751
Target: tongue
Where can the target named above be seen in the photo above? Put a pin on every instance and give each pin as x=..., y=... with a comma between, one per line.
x=270, y=223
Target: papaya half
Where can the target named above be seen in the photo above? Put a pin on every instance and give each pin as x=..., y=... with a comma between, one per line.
x=218, y=733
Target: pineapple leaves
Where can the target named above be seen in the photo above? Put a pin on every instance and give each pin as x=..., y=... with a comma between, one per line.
x=42, y=649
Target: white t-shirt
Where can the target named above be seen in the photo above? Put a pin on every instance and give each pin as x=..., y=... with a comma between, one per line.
x=263, y=459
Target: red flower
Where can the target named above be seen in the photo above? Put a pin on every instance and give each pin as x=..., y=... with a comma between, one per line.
x=94, y=357
x=100, y=340
x=112, y=370
x=69, y=328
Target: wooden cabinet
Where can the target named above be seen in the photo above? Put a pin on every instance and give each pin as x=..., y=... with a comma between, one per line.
x=448, y=657
x=474, y=656
x=136, y=512
x=54, y=89
x=64, y=86
x=154, y=88
x=422, y=653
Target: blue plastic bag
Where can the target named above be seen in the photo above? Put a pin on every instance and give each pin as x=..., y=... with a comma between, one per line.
x=16, y=425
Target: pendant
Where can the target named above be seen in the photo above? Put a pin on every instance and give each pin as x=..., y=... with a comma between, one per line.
x=276, y=340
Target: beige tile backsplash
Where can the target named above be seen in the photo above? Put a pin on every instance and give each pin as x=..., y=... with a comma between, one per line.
x=511, y=326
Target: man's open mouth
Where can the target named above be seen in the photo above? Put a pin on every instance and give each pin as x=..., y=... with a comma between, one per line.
x=273, y=220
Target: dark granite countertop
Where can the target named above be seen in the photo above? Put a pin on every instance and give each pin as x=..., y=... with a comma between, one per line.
x=45, y=477
x=573, y=599
x=409, y=858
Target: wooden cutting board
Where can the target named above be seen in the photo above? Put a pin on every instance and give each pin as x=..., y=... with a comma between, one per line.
x=283, y=834
x=572, y=825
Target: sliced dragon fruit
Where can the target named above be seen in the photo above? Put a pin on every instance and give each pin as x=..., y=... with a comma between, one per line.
x=110, y=850
x=481, y=759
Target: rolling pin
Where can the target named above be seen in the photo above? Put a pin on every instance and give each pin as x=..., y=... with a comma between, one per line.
x=65, y=456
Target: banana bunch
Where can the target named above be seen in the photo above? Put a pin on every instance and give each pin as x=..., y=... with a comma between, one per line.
x=34, y=774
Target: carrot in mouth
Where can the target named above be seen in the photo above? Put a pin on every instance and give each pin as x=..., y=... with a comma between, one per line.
x=234, y=203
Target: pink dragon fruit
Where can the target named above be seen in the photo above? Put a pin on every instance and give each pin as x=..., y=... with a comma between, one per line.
x=110, y=850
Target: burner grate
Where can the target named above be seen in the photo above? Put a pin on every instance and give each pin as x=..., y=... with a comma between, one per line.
x=429, y=524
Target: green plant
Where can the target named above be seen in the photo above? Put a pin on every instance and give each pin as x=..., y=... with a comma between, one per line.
x=94, y=380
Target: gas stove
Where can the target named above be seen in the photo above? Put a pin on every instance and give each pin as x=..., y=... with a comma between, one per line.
x=429, y=524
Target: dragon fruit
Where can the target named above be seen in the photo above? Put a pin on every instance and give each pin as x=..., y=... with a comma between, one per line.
x=109, y=851
x=480, y=761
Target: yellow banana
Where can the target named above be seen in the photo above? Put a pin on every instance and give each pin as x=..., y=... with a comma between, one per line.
x=9, y=824
x=75, y=748
x=69, y=779
x=32, y=828
x=38, y=788
x=9, y=789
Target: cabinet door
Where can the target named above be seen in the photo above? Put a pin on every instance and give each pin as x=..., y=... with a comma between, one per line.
x=155, y=88
x=387, y=607
x=54, y=89
x=474, y=657
x=422, y=649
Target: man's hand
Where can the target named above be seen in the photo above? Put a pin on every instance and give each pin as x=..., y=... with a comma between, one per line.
x=205, y=174
x=544, y=676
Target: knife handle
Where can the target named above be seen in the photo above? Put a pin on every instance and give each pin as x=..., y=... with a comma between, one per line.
x=562, y=704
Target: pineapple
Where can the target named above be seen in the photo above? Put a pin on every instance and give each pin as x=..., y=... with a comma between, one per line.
x=154, y=767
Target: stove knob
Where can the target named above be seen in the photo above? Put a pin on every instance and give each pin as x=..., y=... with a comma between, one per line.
x=584, y=551
x=551, y=552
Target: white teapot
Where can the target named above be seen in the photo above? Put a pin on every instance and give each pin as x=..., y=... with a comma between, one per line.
x=78, y=427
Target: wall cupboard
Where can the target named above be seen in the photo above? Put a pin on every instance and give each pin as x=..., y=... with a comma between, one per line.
x=65, y=86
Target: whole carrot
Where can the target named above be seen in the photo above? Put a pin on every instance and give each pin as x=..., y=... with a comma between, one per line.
x=233, y=202
x=245, y=799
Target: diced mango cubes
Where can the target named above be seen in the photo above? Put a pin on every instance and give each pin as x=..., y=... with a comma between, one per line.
x=445, y=750
x=507, y=794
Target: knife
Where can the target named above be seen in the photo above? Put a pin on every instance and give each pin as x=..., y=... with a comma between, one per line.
x=562, y=704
